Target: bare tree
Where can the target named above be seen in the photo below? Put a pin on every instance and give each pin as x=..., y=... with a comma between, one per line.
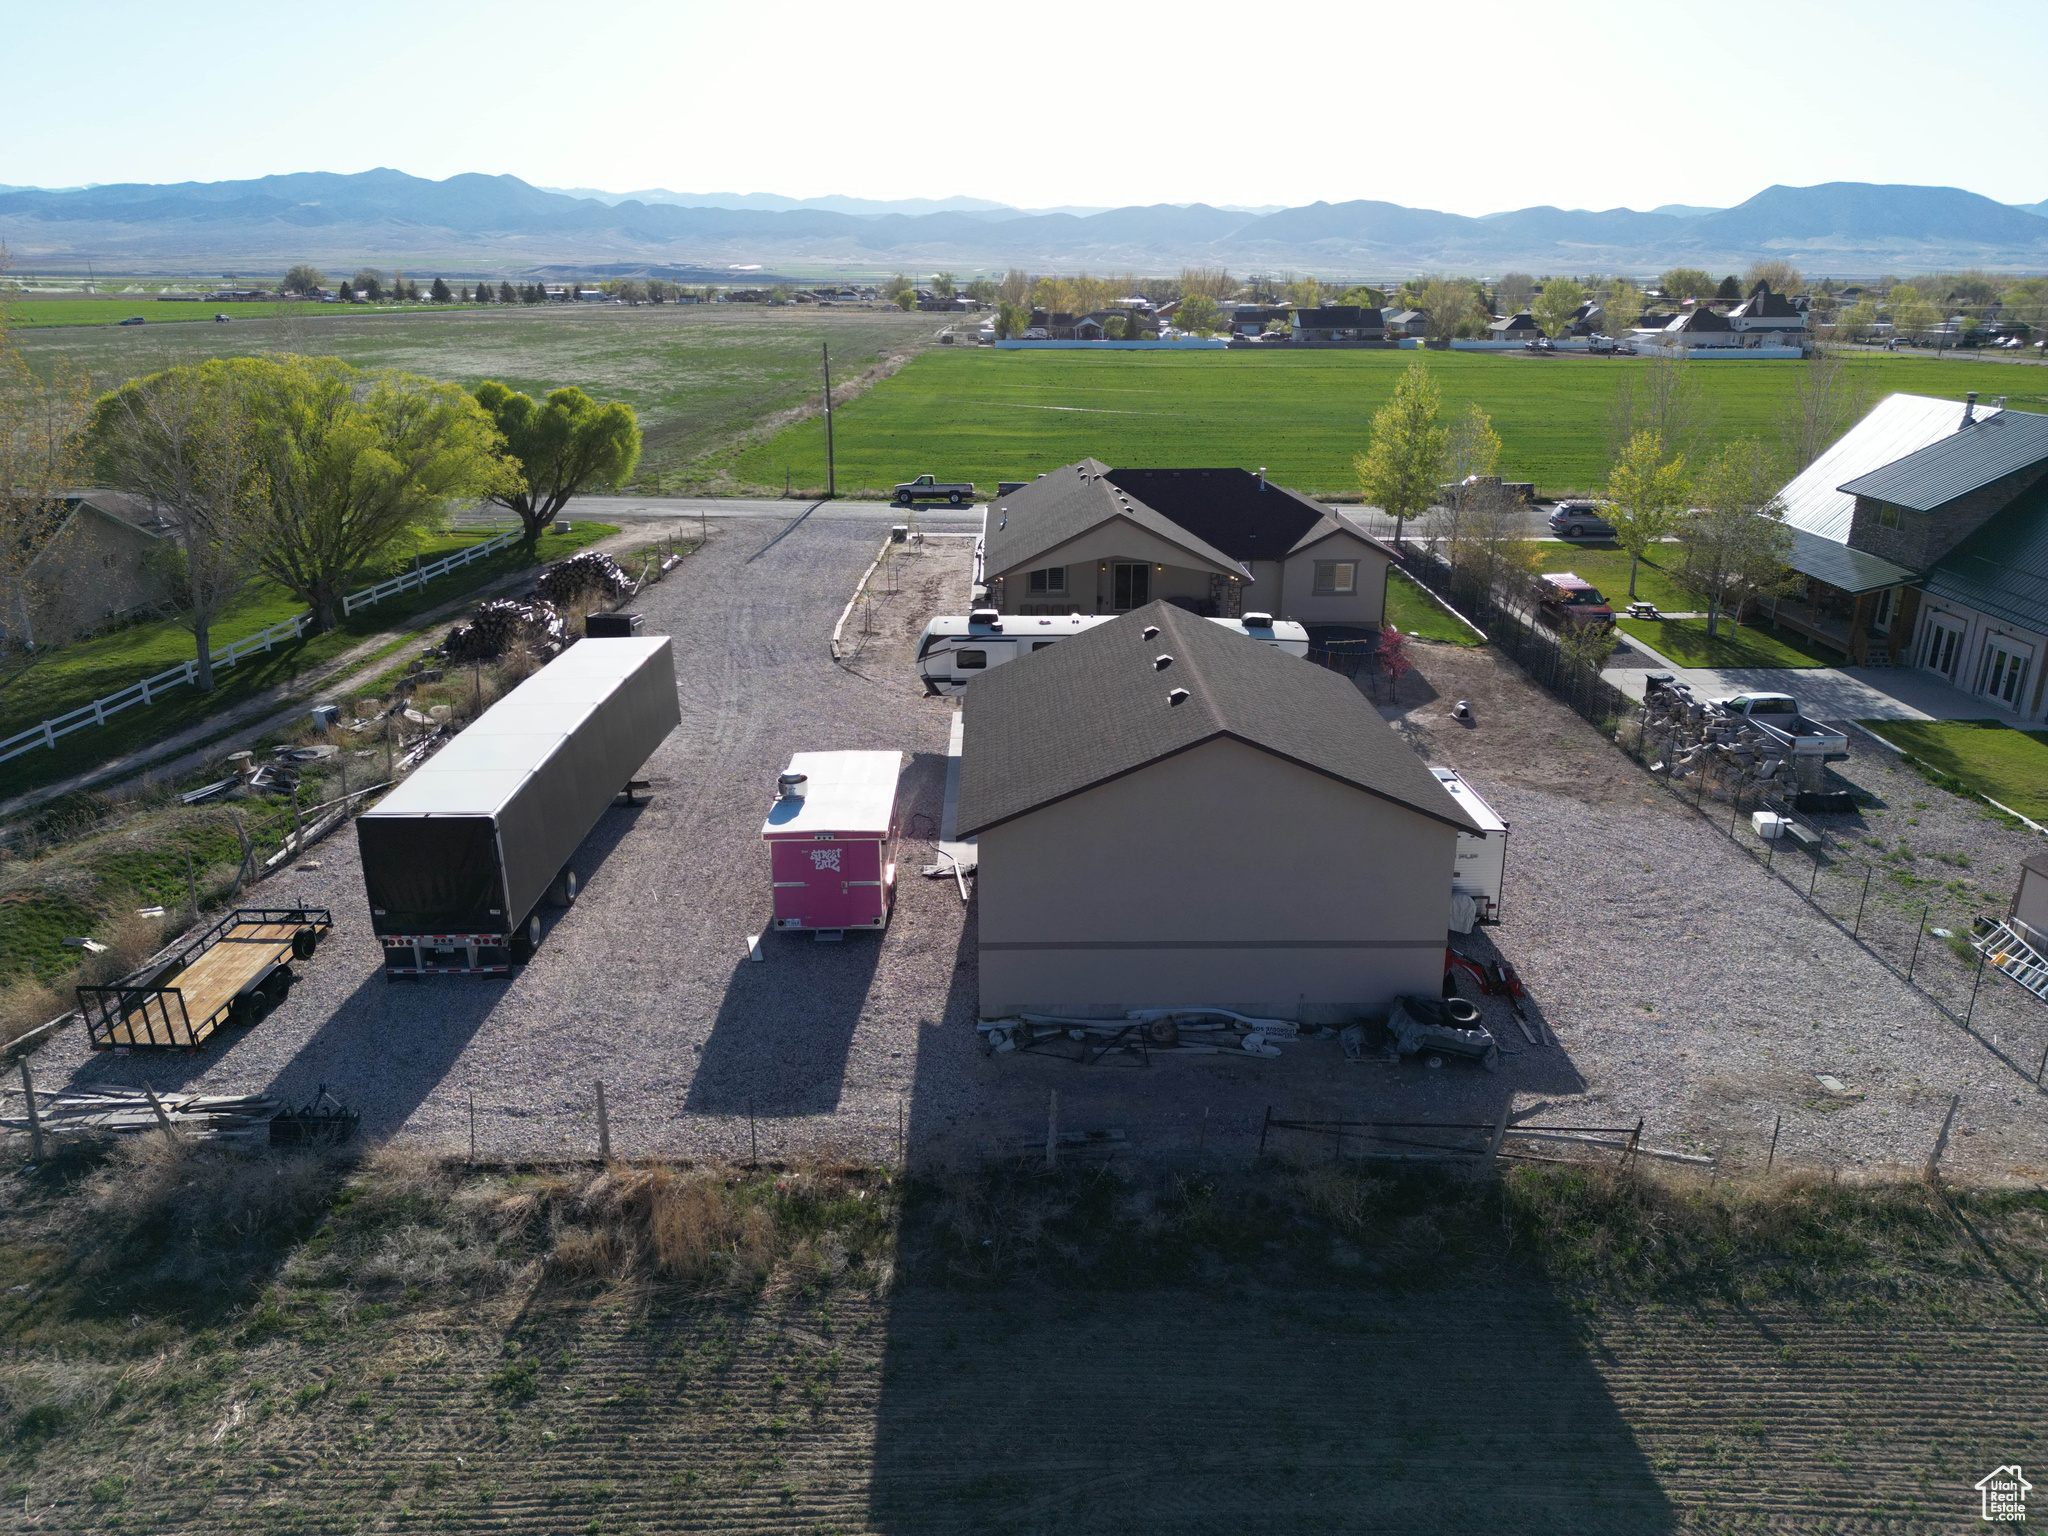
x=1734, y=546
x=1513, y=292
x=1828, y=398
x=183, y=440
x=1781, y=275
x=1015, y=287
x=1659, y=395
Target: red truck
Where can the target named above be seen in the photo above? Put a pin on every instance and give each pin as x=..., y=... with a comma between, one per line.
x=1563, y=598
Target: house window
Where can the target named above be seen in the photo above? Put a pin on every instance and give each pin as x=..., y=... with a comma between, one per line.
x=1887, y=515
x=1335, y=578
x=1132, y=586
x=1052, y=579
x=1887, y=605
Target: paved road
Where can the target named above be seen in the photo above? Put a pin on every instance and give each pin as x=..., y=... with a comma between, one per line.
x=639, y=509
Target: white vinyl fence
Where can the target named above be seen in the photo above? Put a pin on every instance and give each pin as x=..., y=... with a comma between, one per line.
x=185, y=673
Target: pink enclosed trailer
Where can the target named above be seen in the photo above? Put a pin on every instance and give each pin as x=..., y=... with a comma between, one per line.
x=831, y=838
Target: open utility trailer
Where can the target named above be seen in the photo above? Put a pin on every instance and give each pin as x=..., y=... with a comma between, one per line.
x=232, y=974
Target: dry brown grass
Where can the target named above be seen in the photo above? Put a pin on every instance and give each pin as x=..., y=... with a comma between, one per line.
x=24, y=1004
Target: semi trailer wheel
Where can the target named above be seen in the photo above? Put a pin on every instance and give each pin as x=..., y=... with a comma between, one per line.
x=563, y=892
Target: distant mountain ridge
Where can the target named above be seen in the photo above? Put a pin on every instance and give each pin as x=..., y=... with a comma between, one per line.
x=494, y=224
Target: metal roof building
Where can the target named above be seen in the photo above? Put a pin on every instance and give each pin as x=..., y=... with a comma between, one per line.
x=1896, y=426
x=1988, y=450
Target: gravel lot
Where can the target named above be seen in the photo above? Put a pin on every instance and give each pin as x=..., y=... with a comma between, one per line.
x=1684, y=983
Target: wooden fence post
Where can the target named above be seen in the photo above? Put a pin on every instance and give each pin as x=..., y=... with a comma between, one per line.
x=162, y=1116
x=1778, y=1126
x=1941, y=1141
x=1500, y=1132
x=1052, y=1131
x=35, y=1118
x=604, y=1126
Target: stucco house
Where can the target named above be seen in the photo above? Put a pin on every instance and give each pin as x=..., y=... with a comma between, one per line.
x=1337, y=323
x=1086, y=538
x=1408, y=322
x=1169, y=814
x=1521, y=327
x=95, y=563
x=1768, y=319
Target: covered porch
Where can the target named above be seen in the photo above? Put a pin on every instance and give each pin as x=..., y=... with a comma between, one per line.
x=1848, y=600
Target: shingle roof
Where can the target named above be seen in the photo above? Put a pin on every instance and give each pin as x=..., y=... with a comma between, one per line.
x=1896, y=426
x=1989, y=449
x=1064, y=504
x=1765, y=305
x=1853, y=570
x=1700, y=318
x=1234, y=511
x=1048, y=726
x=1338, y=316
x=2002, y=568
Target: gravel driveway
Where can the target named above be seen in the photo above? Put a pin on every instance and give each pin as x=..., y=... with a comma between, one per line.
x=645, y=983
x=1683, y=984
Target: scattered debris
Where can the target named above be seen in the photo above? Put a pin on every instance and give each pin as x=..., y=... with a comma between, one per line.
x=1835, y=1088
x=1143, y=1033
x=90, y=946
x=1450, y=1025
x=251, y=1119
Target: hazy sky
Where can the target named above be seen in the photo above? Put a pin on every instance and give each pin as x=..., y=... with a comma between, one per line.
x=1484, y=106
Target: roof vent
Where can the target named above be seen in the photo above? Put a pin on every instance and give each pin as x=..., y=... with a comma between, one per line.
x=988, y=616
x=1258, y=621
x=1161, y=663
x=1998, y=402
x=790, y=786
x=1151, y=631
x=1969, y=407
x=1177, y=696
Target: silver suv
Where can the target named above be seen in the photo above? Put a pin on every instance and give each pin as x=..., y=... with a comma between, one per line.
x=1580, y=520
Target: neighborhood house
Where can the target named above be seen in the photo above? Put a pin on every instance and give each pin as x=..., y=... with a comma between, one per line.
x=1086, y=538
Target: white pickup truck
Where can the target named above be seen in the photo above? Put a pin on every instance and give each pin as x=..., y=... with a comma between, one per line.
x=1777, y=716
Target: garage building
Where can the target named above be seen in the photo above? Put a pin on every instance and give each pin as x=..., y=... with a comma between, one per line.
x=1169, y=814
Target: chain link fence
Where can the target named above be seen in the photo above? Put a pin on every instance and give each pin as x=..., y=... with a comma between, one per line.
x=1916, y=924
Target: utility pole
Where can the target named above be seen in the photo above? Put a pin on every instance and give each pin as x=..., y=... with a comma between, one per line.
x=831, y=478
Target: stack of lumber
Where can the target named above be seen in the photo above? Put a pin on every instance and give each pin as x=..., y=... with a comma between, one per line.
x=115, y=1111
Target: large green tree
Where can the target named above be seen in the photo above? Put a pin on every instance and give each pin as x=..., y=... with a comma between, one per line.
x=354, y=463
x=1645, y=496
x=563, y=445
x=1557, y=303
x=184, y=439
x=1687, y=283
x=1404, y=468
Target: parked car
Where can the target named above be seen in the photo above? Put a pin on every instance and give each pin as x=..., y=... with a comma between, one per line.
x=1777, y=716
x=1564, y=598
x=925, y=488
x=133, y=320
x=1580, y=520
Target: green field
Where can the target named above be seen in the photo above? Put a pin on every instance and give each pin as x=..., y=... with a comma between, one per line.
x=74, y=675
x=985, y=416
x=1687, y=642
x=1987, y=755
x=112, y=309
x=703, y=378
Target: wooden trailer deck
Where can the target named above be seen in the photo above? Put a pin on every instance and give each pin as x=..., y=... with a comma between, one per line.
x=193, y=995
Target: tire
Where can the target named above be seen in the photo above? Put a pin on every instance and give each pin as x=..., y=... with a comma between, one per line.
x=304, y=942
x=953, y=497
x=278, y=984
x=526, y=941
x=563, y=892
x=250, y=1009
x=1460, y=1012
x=903, y=498
x=1162, y=1032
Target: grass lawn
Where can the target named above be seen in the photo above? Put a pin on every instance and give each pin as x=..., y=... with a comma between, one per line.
x=983, y=415
x=77, y=674
x=1606, y=566
x=1414, y=612
x=1988, y=755
x=700, y=376
x=112, y=309
x=1686, y=642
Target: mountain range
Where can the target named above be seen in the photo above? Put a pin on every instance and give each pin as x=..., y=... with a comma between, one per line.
x=500, y=224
